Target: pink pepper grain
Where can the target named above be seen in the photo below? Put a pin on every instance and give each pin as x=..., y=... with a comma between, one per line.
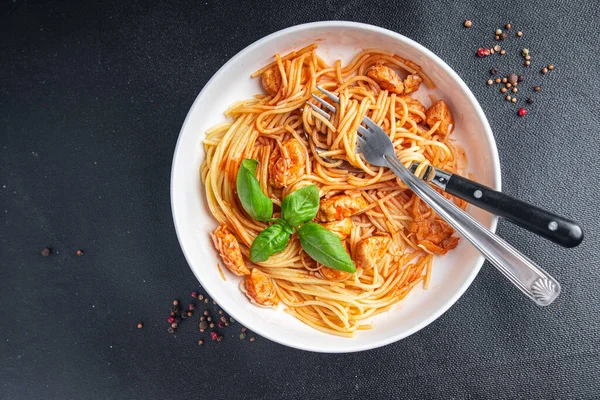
x=522, y=112
x=213, y=335
x=171, y=319
x=482, y=52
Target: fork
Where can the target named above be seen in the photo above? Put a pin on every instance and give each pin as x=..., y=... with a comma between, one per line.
x=376, y=148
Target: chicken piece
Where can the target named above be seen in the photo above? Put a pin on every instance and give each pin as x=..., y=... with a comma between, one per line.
x=439, y=111
x=414, y=105
x=386, y=78
x=412, y=83
x=229, y=250
x=261, y=289
x=285, y=165
x=341, y=228
x=332, y=274
x=370, y=250
x=342, y=206
x=434, y=234
x=271, y=80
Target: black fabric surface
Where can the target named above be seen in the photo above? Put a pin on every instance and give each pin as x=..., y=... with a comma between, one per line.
x=92, y=97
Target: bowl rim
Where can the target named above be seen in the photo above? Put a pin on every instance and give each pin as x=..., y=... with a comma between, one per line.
x=358, y=344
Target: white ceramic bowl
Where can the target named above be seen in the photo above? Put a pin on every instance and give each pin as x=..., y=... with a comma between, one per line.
x=452, y=274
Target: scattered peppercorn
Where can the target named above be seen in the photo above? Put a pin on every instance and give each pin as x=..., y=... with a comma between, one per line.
x=202, y=318
x=79, y=252
x=213, y=335
x=503, y=90
x=522, y=112
x=504, y=80
x=519, y=34
x=508, y=26
x=530, y=100
x=214, y=302
x=494, y=71
x=537, y=88
x=221, y=324
x=514, y=90
x=492, y=50
x=550, y=67
x=527, y=63
x=191, y=306
x=252, y=339
x=174, y=325
x=219, y=338
x=468, y=23
x=527, y=58
x=232, y=320
x=507, y=97
x=220, y=311
x=244, y=329
x=242, y=336
x=223, y=319
x=203, y=325
x=209, y=319
x=513, y=78
x=498, y=80
x=514, y=100
x=544, y=70
x=525, y=52
x=46, y=252
x=504, y=35
x=489, y=82
x=172, y=313
x=206, y=313
x=194, y=294
x=189, y=313
x=200, y=297
x=171, y=319
x=508, y=85
x=175, y=303
x=212, y=325
x=497, y=47
x=200, y=342
x=497, y=37
x=483, y=52
x=498, y=31
x=503, y=52
x=170, y=330
x=140, y=326
x=520, y=78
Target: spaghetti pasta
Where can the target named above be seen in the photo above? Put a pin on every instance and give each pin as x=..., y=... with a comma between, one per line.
x=295, y=147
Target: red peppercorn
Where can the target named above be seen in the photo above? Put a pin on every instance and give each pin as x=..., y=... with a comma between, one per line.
x=522, y=112
x=213, y=335
x=221, y=324
x=171, y=319
x=194, y=294
x=481, y=52
x=191, y=306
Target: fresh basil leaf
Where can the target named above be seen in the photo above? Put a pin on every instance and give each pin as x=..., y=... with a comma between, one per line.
x=254, y=201
x=301, y=205
x=270, y=241
x=324, y=247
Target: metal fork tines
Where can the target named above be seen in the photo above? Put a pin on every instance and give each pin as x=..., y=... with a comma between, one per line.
x=377, y=148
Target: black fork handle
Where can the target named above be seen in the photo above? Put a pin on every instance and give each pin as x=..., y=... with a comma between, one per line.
x=553, y=227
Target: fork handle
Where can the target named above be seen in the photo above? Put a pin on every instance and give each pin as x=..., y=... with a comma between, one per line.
x=553, y=227
x=536, y=283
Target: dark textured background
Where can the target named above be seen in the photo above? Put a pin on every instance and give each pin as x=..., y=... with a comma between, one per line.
x=92, y=97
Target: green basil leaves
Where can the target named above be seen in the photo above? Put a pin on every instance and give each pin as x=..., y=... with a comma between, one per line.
x=255, y=202
x=301, y=205
x=325, y=247
x=297, y=210
x=270, y=241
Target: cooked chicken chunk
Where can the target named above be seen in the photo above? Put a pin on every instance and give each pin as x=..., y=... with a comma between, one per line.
x=271, y=80
x=261, y=289
x=341, y=228
x=386, y=78
x=439, y=111
x=285, y=165
x=370, y=250
x=229, y=250
x=342, y=206
x=412, y=83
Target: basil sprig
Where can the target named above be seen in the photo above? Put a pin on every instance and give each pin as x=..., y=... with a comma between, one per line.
x=297, y=210
x=254, y=201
